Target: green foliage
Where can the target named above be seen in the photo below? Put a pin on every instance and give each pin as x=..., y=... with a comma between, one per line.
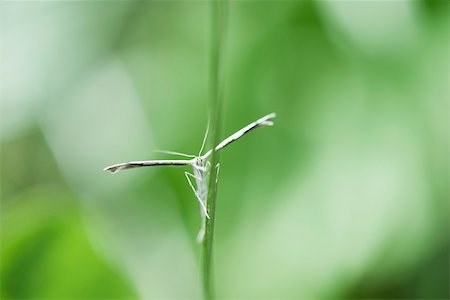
x=46, y=253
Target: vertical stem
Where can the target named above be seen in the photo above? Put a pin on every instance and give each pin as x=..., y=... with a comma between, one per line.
x=218, y=33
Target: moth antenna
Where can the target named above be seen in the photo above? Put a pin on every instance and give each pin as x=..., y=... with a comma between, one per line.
x=174, y=153
x=204, y=138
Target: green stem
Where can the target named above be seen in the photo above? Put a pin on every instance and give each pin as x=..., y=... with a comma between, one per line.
x=218, y=33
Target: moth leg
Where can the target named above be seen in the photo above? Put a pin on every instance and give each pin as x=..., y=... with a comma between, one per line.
x=193, y=176
x=187, y=174
x=217, y=172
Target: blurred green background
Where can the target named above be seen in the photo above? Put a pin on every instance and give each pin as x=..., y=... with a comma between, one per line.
x=346, y=197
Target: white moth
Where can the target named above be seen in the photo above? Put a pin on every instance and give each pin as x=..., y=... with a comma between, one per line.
x=200, y=165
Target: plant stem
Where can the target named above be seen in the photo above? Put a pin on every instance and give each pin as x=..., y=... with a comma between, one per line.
x=218, y=33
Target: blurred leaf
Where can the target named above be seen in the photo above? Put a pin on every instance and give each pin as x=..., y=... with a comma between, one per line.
x=46, y=253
